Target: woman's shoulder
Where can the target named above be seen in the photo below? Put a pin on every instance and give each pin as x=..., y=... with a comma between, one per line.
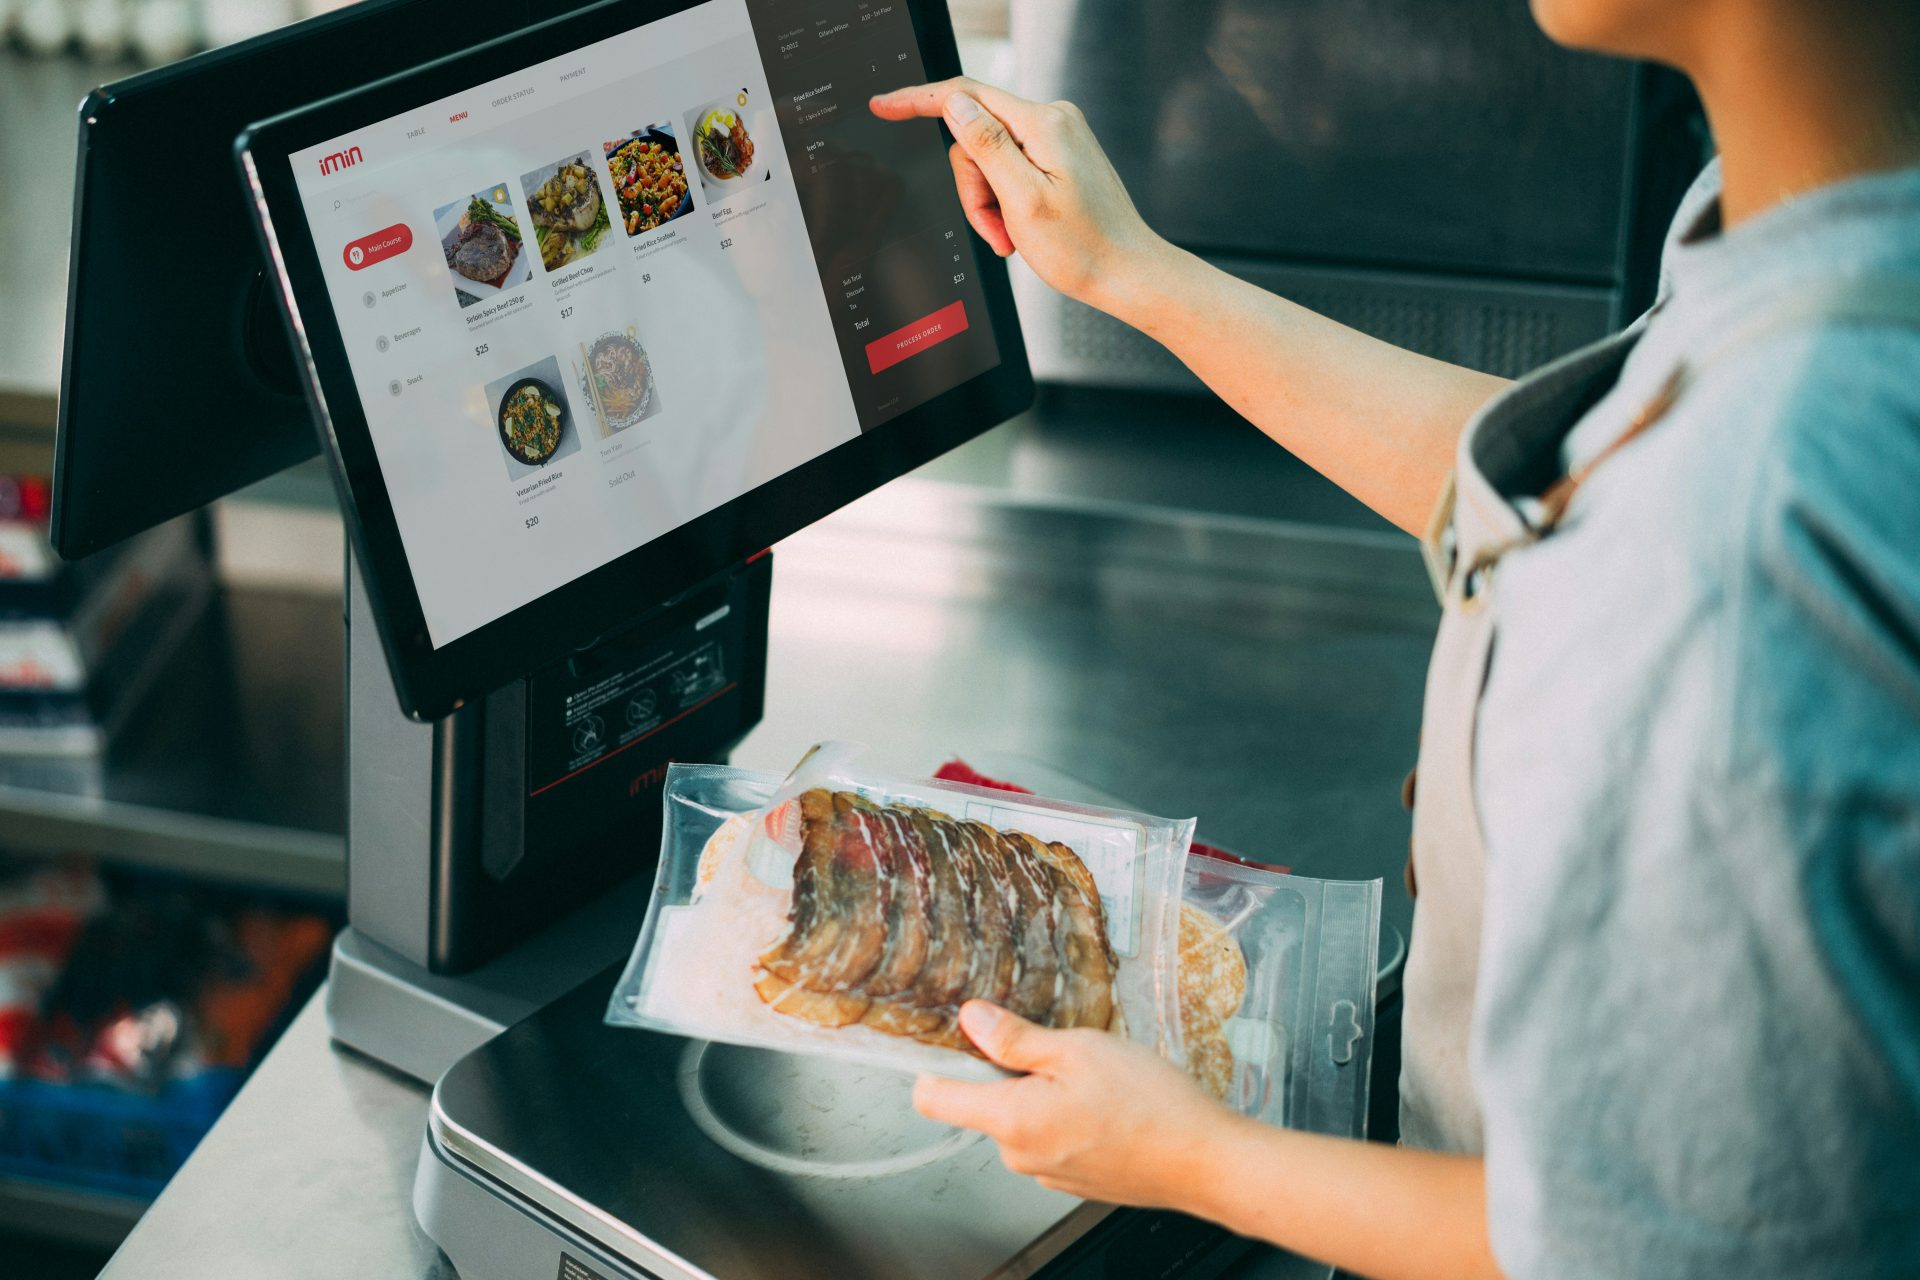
x=1809, y=454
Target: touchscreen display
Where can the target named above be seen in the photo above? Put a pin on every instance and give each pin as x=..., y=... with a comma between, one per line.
x=591, y=301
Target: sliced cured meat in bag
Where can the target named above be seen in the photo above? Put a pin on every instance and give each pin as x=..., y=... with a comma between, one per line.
x=864, y=882
x=900, y=914
x=840, y=890
x=909, y=906
x=828, y=1008
x=1087, y=962
x=926, y=1008
x=850, y=916
x=990, y=974
x=949, y=952
x=1036, y=976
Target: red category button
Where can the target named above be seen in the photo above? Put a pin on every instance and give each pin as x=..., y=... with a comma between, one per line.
x=884, y=353
x=378, y=247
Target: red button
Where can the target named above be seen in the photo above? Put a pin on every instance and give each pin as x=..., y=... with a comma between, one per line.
x=884, y=353
x=378, y=247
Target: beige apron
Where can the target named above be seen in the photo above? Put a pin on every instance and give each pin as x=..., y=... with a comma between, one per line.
x=1514, y=447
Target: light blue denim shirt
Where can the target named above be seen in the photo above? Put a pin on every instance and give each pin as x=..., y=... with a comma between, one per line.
x=1696, y=1042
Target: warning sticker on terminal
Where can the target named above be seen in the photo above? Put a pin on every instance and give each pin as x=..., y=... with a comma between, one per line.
x=571, y=1268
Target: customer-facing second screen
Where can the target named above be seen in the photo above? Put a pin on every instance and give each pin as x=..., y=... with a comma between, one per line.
x=591, y=301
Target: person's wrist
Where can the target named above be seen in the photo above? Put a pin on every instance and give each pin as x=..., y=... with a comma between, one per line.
x=1133, y=280
x=1202, y=1150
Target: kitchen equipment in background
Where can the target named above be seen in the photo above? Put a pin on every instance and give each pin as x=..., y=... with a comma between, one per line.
x=1442, y=177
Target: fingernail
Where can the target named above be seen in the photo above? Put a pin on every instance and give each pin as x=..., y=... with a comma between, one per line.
x=961, y=108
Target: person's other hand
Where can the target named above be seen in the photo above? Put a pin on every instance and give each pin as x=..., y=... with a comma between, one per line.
x=1098, y=1116
x=1032, y=178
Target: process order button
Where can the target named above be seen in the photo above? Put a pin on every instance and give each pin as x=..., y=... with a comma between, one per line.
x=884, y=353
x=378, y=247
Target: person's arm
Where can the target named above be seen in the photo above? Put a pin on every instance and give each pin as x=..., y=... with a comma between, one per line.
x=1378, y=421
x=1101, y=1117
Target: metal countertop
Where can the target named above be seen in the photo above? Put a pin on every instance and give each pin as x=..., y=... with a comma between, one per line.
x=1265, y=676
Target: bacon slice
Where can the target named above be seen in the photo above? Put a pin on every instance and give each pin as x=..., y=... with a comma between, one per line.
x=909, y=906
x=841, y=885
x=901, y=914
x=1087, y=962
x=1037, y=964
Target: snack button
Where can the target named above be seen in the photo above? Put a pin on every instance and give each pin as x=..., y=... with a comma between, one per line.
x=378, y=247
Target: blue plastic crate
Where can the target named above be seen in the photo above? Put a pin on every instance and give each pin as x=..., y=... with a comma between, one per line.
x=92, y=1135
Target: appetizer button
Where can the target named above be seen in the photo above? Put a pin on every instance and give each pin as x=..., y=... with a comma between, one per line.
x=378, y=247
x=885, y=352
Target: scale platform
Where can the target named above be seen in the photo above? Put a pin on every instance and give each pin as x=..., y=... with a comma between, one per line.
x=566, y=1148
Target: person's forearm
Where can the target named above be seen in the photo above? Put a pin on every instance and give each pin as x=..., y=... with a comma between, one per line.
x=1385, y=1212
x=1379, y=421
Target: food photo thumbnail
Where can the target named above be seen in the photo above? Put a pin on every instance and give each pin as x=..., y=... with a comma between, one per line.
x=480, y=239
x=532, y=417
x=649, y=178
x=723, y=145
x=616, y=377
x=569, y=211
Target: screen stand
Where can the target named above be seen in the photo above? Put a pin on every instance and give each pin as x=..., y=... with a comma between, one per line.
x=490, y=870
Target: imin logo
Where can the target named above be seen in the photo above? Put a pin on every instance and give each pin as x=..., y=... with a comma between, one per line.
x=339, y=160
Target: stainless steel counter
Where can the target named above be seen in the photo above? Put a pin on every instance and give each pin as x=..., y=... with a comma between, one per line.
x=1266, y=677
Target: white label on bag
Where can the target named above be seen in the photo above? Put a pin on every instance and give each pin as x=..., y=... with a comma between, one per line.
x=1111, y=851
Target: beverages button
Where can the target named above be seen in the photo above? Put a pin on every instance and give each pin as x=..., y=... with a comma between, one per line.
x=378, y=247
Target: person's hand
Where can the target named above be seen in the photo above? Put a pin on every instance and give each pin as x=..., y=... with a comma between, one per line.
x=1099, y=1116
x=1032, y=178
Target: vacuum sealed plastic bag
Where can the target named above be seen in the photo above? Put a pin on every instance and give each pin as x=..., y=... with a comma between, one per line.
x=837, y=913
x=1277, y=992
x=1278, y=973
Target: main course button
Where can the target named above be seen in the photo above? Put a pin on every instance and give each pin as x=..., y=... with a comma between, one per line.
x=887, y=351
x=378, y=247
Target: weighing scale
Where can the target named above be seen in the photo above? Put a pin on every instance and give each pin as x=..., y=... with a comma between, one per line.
x=557, y=1145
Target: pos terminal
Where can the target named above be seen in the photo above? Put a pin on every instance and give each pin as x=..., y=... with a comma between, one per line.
x=589, y=316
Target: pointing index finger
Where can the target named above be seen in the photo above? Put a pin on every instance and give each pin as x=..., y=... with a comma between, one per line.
x=930, y=100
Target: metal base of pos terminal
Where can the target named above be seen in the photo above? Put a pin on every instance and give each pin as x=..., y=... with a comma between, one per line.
x=502, y=855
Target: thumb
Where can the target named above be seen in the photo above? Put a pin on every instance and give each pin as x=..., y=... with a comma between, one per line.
x=1008, y=1039
x=986, y=141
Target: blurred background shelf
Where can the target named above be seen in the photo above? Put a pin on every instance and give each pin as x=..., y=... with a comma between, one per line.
x=70, y=1215
x=231, y=770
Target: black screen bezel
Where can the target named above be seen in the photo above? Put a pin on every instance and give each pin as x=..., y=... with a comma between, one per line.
x=432, y=682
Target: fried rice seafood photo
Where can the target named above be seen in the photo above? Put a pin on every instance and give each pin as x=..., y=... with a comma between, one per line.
x=649, y=179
